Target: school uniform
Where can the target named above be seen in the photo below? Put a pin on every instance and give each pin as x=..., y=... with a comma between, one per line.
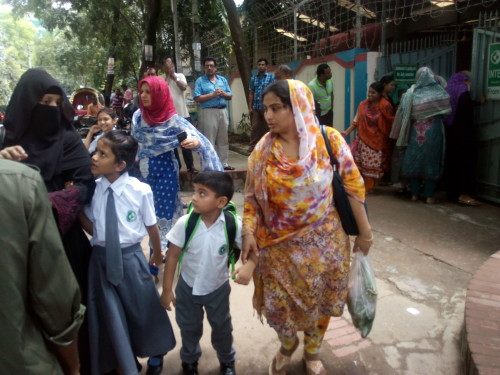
x=204, y=283
x=93, y=144
x=126, y=320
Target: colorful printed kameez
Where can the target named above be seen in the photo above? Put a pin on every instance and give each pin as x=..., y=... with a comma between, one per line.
x=303, y=265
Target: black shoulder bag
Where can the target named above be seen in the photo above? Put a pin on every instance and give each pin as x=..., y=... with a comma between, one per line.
x=340, y=199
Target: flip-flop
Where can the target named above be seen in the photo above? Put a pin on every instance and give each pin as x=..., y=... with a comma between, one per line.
x=469, y=202
x=314, y=367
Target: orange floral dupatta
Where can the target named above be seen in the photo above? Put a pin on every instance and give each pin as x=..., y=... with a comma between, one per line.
x=287, y=198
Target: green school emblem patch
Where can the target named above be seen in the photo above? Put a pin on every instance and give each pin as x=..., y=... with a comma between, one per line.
x=131, y=216
x=222, y=249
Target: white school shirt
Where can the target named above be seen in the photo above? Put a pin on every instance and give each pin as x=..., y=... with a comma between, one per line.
x=134, y=206
x=204, y=264
x=93, y=144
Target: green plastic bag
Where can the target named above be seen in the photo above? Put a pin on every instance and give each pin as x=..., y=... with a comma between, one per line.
x=362, y=295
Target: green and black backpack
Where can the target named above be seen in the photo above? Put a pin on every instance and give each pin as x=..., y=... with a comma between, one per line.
x=230, y=230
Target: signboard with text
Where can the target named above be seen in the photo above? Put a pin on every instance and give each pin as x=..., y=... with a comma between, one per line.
x=405, y=73
x=493, y=85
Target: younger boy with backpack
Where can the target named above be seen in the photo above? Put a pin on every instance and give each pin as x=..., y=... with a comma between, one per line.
x=203, y=260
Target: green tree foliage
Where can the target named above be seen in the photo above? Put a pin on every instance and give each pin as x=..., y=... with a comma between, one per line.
x=13, y=59
x=84, y=33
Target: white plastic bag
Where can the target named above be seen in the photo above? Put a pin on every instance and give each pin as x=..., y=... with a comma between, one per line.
x=362, y=297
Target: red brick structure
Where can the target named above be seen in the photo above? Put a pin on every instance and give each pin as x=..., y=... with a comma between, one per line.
x=481, y=338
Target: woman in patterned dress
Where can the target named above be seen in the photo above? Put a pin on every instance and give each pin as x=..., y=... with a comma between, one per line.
x=373, y=122
x=156, y=125
x=419, y=126
x=289, y=219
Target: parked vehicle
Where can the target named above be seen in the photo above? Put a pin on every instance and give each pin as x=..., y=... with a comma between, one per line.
x=80, y=99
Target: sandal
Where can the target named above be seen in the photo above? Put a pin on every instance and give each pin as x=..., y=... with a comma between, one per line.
x=314, y=367
x=468, y=201
x=431, y=201
x=280, y=362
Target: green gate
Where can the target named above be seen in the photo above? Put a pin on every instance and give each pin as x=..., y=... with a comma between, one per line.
x=487, y=116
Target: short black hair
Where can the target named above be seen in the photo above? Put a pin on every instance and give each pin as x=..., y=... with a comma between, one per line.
x=209, y=59
x=263, y=59
x=281, y=89
x=220, y=183
x=321, y=69
x=378, y=87
x=387, y=79
x=285, y=69
x=108, y=111
x=123, y=146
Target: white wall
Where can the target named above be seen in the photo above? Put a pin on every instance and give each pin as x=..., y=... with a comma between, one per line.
x=305, y=73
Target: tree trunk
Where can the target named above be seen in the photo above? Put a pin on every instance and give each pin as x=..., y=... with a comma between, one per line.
x=153, y=10
x=108, y=87
x=238, y=43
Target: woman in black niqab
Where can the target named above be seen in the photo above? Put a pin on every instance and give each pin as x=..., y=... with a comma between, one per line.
x=46, y=133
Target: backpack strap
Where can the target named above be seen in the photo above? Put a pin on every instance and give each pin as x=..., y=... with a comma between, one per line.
x=231, y=229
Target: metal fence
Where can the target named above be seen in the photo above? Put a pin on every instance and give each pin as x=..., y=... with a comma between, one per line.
x=290, y=30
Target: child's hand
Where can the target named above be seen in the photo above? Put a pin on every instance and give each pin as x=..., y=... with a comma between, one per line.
x=94, y=129
x=166, y=298
x=156, y=259
x=244, y=273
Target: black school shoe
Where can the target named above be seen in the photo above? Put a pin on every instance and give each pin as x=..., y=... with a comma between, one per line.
x=190, y=368
x=154, y=370
x=227, y=368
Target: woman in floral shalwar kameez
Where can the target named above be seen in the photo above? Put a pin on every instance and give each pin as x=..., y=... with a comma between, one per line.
x=289, y=218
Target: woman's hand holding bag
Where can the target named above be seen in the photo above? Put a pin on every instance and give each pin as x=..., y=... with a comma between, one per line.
x=363, y=245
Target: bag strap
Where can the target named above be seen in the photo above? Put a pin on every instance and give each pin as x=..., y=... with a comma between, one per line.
x=333, y=161
x=231, y=229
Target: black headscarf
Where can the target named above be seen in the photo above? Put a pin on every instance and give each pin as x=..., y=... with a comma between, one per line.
x=45, y=132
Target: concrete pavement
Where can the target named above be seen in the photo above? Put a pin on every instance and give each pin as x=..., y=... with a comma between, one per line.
x=423, y=257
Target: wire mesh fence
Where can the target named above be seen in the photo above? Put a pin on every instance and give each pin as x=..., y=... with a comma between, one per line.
x=289, y=30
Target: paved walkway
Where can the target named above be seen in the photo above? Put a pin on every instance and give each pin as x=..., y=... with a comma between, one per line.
x=423, y=256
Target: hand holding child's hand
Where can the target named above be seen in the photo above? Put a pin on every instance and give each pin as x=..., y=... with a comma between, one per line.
x=156, y=259
x=166, y=298
x=249, y=244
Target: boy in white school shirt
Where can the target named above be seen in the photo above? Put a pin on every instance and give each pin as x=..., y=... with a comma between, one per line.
x=204, y=277
x=125, y=317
